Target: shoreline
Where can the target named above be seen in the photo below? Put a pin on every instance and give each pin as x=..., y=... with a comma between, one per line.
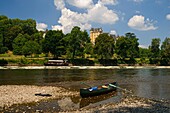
x=19, y=95
x=84, y=67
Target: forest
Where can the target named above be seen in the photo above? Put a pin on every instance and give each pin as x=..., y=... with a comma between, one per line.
x=21, y=38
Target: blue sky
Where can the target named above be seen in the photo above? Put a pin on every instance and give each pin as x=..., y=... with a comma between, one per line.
x=146, y=18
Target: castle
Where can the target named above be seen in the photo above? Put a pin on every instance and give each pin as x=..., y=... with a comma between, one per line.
x=94, y=33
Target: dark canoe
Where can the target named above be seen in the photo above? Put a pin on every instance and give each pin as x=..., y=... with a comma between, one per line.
x=95, y=91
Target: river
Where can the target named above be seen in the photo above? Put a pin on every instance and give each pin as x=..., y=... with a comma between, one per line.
x=145, y=82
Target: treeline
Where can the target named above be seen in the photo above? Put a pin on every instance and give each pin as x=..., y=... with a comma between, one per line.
x=22, y=38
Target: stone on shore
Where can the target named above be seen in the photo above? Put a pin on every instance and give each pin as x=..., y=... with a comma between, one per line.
x=18, y=94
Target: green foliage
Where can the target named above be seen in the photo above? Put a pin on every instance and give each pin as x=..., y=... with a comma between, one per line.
x=83, y=62
x=22, y=38
x=3, y=62
x=53, y=43
x=144, y=52
x=10, y=28
x=165, y=48
x=165, y=62
x=108, y=62
x=30, y=48
x=18, y=44
x=155, y=61
x=127, y=47
x=76, y=42
x=154, y=48
x=104, y=46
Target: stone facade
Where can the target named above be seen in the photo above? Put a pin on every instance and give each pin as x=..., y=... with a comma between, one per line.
x=94, y=33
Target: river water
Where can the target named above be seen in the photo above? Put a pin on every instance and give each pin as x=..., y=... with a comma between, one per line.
x=146, y=82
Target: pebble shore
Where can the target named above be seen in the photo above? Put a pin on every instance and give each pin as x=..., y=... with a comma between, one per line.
x=20, y=94
x=131, y=104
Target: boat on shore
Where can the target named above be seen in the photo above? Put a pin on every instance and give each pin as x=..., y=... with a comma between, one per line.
x=56, y=63
x=98, y=90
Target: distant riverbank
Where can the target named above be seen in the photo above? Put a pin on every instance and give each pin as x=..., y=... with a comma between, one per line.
x=82, y=67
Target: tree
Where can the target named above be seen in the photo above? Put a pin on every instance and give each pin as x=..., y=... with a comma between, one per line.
x=53, y=43
x=104, y=46
x=122, y=47
x=165, y=48
x=144, y=52
x=18, y=44
x=127, y=47
x=133, y=45
x=154, y=48
x=30, y=48
x=13, y=32
x=76, y=41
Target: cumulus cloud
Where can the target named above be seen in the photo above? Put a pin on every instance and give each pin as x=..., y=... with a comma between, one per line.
x=99, y=13
x=139, y=22
x=108, y=2
x=168, y=16
x=81, y=3
x=69, y=19
x=60, y=4
x=41, y=26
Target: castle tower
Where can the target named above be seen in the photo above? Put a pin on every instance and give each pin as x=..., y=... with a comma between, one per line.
x=94, y=33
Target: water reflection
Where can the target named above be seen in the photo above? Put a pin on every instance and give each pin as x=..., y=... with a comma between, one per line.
x=149, y=83
x=66, y=103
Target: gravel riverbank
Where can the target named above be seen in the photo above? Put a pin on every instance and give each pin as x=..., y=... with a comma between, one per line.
x=20, y=94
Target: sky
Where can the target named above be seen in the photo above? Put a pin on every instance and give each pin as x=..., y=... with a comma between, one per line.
x=147, y=19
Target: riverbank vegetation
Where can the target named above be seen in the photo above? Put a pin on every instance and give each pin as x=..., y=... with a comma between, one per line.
x=21, y=43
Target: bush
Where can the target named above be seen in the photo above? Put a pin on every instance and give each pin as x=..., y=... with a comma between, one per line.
x=3, y=62
x=165, y=62
x=3, y=50
x=108, y=62
x=155, y=61
x=81, y=62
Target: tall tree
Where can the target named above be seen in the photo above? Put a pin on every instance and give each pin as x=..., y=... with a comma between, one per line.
x=165, y=48
x=144, y=52
x=104, y=46
x=76, y=41
x=30, y=48
x=154, y=48
x=127, y=47
x=18, y=43
x=53, y=43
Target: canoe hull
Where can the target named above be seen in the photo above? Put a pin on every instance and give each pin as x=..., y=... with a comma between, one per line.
x=87, y=93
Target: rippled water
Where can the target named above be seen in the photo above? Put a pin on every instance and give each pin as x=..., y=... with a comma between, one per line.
x=149, y=83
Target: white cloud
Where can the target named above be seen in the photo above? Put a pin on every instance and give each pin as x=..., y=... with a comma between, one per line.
x=138, y=22
x=168, y=16
x=108, y=2
x=60, y=4
x=101, y=14
x=69, y=19
x=113, y=32
x=41, y=26
x=81, y=3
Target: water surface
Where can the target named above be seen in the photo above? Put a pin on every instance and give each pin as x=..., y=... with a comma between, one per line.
x=148, y=83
